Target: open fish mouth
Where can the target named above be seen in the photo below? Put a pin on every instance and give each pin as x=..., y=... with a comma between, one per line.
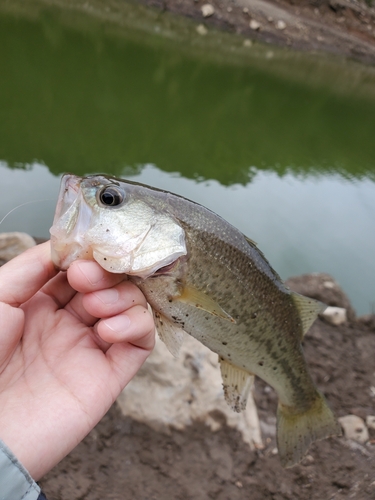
x=72, y=219
x=69, y=190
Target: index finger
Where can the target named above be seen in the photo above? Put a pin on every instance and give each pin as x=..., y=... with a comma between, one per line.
x=23, y=276
x=88, y=276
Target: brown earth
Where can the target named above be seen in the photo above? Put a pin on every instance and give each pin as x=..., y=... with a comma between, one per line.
x=123, y=459
x=345, y=27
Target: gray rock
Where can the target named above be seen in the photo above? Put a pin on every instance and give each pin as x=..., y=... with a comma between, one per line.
x=173, y=392
x=12, y=244
x=280, y=25
x=334, y=315
x=254, y=25
x=354, y=428
x=370, y=422
x=207, y=10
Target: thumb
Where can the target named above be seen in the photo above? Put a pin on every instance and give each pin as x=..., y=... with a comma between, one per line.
x=11, y=329
x=24, y=275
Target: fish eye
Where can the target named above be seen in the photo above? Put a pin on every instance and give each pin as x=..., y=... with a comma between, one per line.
x=111, y=196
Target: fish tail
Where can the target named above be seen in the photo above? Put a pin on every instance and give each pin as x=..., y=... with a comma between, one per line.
x=296, y=430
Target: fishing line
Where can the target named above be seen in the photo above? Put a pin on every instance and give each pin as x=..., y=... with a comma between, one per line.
x=22, y=205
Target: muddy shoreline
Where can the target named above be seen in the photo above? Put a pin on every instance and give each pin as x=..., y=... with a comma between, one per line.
x=125, y=459
x=343, y=30
x=341, y=27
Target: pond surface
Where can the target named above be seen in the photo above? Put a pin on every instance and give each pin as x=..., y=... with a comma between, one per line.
x=289, y=163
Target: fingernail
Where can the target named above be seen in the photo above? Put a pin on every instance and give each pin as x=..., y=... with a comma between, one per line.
x=109, y=296
x=93, y=273
x=118, y=324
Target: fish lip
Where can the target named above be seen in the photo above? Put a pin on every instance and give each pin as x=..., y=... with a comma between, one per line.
x=68, y=183
x=63, y=254
x=72, y=181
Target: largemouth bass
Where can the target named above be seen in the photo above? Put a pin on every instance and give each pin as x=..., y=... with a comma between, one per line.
x=204, y=277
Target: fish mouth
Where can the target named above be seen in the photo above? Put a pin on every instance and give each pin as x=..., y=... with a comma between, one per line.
x=71, y=213
x=64, y=255
x=69, y=189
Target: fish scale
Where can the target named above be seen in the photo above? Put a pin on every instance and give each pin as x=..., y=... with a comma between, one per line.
x=203, y=276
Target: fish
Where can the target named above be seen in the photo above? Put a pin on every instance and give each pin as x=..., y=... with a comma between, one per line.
x=203, y=277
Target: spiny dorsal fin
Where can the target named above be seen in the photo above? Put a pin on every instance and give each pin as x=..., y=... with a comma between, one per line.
x=236, y=383
x=201, y=300
x=252, y=242
x=169, y=333
x=308, y=310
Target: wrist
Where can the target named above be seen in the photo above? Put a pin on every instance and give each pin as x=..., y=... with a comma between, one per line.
x=15, y=480
x=38, y=435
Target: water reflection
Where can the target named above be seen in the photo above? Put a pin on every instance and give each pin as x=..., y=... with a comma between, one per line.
x=87, y=102
x=291, y=165
x=302, y=225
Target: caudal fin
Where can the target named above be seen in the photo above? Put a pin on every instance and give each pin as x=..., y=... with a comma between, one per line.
x=296, y=431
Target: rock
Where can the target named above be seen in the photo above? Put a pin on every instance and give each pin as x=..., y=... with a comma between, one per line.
x=368, y=321
x=12, y=244
x=268, y=428
x=201, y=29
x=354, y=428
x=323, y=287
x=173, y=392
x=280, y=25
x=334, y=315
x=254, y=25
x=207, y=10
x=370, y=422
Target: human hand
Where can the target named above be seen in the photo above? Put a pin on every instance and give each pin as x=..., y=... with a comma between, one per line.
x=60, y=368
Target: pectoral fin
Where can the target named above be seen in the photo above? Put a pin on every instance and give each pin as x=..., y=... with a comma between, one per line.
x=169, y=333
x=237, y=384
x=198, y=299
x=308, y=309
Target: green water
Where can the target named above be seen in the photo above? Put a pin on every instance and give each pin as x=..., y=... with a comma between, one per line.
x=290, y=163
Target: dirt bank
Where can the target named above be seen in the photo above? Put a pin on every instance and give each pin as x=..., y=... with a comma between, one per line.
x=125, y=460
x=345, y=27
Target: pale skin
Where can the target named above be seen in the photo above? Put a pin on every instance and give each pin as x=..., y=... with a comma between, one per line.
x=69, y=343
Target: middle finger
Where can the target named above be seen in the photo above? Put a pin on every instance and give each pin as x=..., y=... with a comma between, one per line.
x=113, y=301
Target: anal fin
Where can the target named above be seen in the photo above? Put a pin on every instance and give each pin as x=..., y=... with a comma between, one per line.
x=237, y=384
x=169, y=333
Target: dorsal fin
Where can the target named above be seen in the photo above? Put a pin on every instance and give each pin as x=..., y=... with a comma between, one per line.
x=308, y=309
x=249, y=240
